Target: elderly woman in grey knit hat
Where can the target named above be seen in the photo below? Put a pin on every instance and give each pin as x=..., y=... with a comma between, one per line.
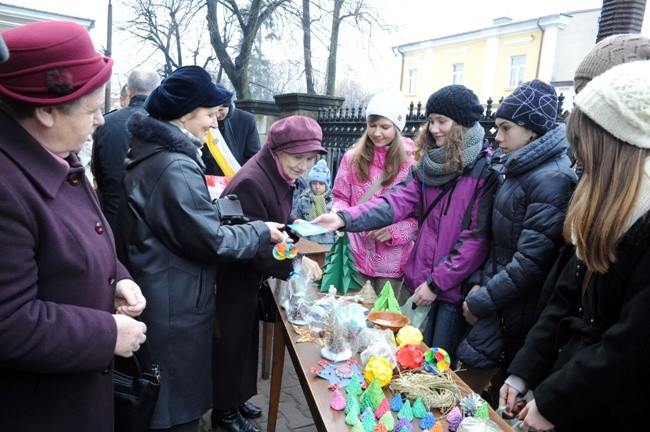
x=529, y=208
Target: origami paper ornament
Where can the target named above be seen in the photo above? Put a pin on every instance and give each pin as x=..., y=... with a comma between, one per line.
x=454, y=417
x=340, y=267
x=404, y=425
x=419, y=410
x=378, y=368
x=338, y=402
x=282, y=251
x=375, y=393
x=358, y=427
x=406, y=412
x=436, y=360
x=388, y=420
x=352, y=418
x=382, y=409
x=386, y=300
x=380, y=428
x=352, y=404
x=409, y=356
x=427, y=421
x=408, y=335
x=396, y=402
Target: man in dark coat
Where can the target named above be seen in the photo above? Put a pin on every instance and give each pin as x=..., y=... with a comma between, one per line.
x=239, y=131
x=60, y=280
x=111, y=141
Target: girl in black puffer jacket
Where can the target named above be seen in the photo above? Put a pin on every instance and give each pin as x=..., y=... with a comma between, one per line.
x=529, y=209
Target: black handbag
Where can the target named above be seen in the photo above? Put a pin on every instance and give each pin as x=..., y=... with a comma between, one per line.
x=230, y=210
x=136, y=384
x=266, y=309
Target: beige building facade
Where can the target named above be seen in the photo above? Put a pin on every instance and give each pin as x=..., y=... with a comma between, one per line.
x=492, y=61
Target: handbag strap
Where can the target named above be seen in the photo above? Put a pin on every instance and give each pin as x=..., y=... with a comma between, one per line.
x=371, y=190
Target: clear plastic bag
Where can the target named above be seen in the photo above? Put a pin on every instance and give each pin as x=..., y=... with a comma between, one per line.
x=417, y=315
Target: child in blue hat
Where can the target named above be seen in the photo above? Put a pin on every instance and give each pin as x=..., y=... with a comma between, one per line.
x=317, y=200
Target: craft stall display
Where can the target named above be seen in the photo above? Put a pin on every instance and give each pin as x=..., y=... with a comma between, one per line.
x=398, y=384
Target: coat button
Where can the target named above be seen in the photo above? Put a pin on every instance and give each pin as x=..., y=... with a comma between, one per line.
x=111, y=280
x=99, y=228
x=74, y=179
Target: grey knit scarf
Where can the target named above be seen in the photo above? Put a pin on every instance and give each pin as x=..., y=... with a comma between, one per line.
x=432, y=168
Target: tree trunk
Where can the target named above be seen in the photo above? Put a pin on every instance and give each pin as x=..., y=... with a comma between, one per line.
x=334, y=44
x=619, y=17
x=306, y=43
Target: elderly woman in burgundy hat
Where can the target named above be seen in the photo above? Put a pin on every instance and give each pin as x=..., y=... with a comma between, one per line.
x=66, y=303
x=170, y=238
x=265, y=187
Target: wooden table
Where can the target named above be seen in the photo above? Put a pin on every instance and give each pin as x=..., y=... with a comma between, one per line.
x=304, y=356
x=314, y=251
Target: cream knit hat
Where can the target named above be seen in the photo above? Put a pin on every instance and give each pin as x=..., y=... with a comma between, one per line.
x=390, y=104
x=619, y=101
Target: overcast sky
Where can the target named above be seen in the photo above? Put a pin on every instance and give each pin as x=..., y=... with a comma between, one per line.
x=415, y=20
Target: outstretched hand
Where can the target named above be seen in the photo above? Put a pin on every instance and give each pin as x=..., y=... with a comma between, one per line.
x=277, y=236
x=329, y=221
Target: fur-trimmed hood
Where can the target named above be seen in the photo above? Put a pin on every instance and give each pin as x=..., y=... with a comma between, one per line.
x=150, y=136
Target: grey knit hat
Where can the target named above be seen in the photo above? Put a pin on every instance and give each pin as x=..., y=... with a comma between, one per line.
x=609, y=52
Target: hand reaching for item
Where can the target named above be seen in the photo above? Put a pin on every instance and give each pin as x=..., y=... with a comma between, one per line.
x=311, y=267
x=277, y=236
x=329, y=221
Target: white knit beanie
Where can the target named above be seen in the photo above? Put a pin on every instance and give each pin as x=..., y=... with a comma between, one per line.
x=390, y=104
x=619, y=101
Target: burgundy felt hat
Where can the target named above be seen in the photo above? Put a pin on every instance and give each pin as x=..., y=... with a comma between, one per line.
x=295, y=134
x=50, y=63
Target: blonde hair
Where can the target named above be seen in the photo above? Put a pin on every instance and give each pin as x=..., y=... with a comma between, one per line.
x=606, y=193
x=364, y=154
x=454, y=143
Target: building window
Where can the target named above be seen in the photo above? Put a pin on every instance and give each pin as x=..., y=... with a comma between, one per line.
x=517, y=66
x=457, y=73
x=413, y=80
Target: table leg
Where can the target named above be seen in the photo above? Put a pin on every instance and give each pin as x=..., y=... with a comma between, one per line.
x=276, y=376
x=267, y=344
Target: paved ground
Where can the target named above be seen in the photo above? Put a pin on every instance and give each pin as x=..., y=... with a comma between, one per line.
x=293, y=413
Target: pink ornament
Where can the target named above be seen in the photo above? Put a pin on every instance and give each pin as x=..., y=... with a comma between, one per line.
x=338, y=401
x=382, y=409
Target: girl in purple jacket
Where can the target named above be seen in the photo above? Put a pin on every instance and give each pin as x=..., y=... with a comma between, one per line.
x=451, y=192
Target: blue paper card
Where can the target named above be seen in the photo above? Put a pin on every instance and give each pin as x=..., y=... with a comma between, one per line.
x=307, y=228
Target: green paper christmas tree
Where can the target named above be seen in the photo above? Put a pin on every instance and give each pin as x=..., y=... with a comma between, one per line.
x=375, y=393
x=358, y=427
x=482, y=412
x=388, y=420
x=352, y=417
x=352, y=404
x=369, y=422
x=386, y=300
x=406, y=411
x=354, y=386
x=419, y=410
x=366, y=401
x=340, y=267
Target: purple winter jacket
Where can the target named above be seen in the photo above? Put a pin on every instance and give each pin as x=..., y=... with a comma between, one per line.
x=58, y=270
x=444, y=248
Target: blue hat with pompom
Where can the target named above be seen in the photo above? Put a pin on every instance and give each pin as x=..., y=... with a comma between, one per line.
x=321, y=173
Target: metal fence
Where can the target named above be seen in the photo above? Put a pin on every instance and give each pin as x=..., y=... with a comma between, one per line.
x=343, y=126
